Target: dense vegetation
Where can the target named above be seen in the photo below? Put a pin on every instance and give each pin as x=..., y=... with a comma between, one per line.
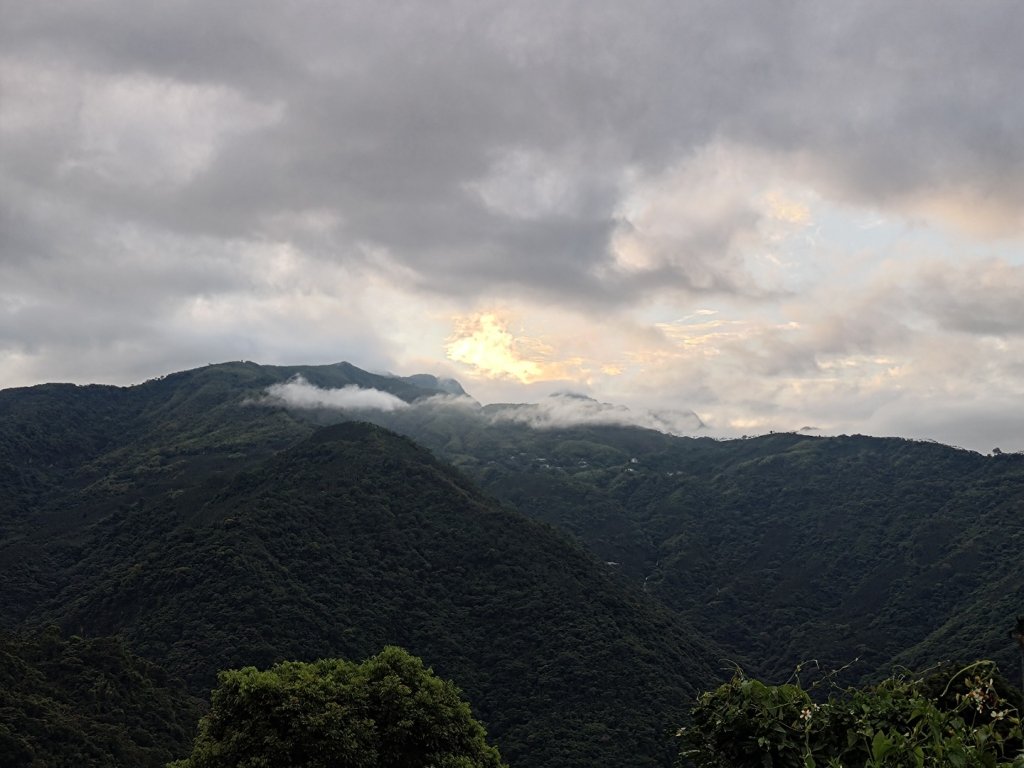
x=72, y=701
x=208, y=527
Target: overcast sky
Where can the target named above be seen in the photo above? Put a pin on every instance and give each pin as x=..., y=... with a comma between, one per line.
x=777, y=215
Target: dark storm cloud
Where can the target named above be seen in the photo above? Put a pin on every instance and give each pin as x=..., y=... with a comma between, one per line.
x=390, y=113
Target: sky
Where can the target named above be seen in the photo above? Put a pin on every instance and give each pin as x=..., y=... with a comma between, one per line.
x=776, y=215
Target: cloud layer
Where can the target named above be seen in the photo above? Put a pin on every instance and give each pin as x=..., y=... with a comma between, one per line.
x=569, y=410
x=553, y=412
x=546, y=195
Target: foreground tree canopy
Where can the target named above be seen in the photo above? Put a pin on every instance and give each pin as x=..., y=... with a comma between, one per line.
x=960, y=719
x=387, y=712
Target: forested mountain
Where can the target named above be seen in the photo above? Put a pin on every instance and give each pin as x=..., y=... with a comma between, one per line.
x=210, y=522
x=349, y=539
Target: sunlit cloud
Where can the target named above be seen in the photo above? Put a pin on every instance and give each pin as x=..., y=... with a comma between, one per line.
x=484, y=343
x=786, y=209
x=695, y=220
x=722, y=221
x=975, y=212
x=708, y=335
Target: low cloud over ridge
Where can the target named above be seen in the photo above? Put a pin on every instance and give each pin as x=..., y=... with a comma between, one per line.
x=299, y=393
x=554, y=412
x=569, y=410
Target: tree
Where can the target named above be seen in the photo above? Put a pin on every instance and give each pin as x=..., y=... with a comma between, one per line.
x=387, y=712
x=1017, y=633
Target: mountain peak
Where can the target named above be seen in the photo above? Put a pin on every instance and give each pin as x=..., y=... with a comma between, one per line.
x=429, y=381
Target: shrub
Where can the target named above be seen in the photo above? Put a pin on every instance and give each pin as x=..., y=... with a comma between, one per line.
x=898, y=723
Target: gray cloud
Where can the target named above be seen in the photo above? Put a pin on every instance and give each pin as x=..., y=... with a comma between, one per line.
x=978, y=424
x=388, y=117
x=982, y=298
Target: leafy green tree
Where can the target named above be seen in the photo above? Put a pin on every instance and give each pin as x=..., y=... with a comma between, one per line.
x=387, y=712
x=895, y=724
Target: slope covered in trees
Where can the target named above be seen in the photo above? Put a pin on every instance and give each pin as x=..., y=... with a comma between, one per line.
x=87, y=702
x=71, y=456
x=784, y=547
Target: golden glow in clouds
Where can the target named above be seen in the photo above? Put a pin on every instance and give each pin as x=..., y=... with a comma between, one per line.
x=484, y=342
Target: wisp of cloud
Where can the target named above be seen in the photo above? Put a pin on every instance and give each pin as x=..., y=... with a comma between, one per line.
x=569, y=410
x=299, y=393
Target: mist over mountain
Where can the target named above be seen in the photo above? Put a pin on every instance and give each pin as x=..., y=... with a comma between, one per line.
x=560, y=409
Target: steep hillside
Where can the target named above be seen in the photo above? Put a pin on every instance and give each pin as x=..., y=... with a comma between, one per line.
x=784, y=547
x=71, y=456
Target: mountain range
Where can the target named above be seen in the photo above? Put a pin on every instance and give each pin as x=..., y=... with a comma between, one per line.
x=579, y=576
